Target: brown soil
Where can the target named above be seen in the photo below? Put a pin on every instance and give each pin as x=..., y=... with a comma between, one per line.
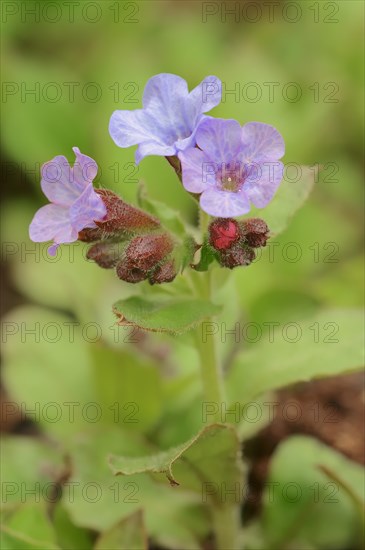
x=330, y=409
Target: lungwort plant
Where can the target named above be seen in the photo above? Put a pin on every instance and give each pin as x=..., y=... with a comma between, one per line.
x=182, y=446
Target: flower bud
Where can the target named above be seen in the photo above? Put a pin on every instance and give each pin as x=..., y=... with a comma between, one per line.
x=127, y=272
x=90, y=235
x=255, y=231
x=223, y=233
x=146, y=251
x=146, y=256
x=236, y=256
x=106, y=254
x=164, y=273
x=124, y=218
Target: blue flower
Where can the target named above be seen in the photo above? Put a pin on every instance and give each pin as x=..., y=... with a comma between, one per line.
x=233, y=166
x=169, y=118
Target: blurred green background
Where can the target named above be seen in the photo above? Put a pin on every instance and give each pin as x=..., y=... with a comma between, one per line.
x=66, y=68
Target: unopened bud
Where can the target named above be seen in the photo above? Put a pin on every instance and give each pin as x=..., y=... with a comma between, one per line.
x=164, y=273
x=124, y=218
x=90, y=235
x=127, y=272
x=146, y=251
x=236, y=256
x=106, y=254
x=255, y=231
x=223, y=233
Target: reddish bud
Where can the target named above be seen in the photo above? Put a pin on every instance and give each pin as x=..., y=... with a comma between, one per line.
x=236, y=256
x=122, y=217
x=255, y=232
x=146, y=251
x=164, y=273
x=223, y=233
x=89, y=235
x=105, y=254
x=127, y=272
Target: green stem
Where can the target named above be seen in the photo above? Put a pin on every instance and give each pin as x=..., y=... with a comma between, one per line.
x=226, y=522
x=204, y=220
x=225, y=515
x=176, y=164
x=210, y=364
x=211, y=372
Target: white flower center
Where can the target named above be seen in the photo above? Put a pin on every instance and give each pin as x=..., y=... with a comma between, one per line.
x=230, y=176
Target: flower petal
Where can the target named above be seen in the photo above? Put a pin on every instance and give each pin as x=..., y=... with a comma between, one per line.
x=154, y=134
x=162, y=119
x=131, y=127
x=220, y=139
x=224, y=204
x=263, y=182
x=52, y=222
x=261, y=142
x=198, y=172
x=207, y=94
x=164, y=89
x=88, y=208
x=52, y=250
x=62, y=184
x=174, y=112
x=169, y=117
x=57, y=182
x=153, y=148
x=84, y=169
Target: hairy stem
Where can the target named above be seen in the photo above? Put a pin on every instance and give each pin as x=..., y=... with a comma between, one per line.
x=211, y=372
x=210, y=364
x=225, y=514
x=226, y=523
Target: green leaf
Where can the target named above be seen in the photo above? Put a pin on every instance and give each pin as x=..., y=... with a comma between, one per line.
x=184, y=523
x=27, y=462
x=327, y=344
x=207, y=256
x=68, y=534
x=304, y=507
x=344, y=290
x=129, y=387
x=169, y=218
x=47, y=367
x=288, y=199
x=128, y=534
x=92, y=498
x=96, y=500
x=28, y=528
x=172, y=316
x=212, y=456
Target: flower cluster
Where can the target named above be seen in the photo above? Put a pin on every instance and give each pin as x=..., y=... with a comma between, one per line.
x=226, y=165
x=233, y=242
x=134, y=243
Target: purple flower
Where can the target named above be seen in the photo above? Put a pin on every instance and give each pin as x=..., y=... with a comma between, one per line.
x=74, y=203
x=233, y=166
x=169, y=118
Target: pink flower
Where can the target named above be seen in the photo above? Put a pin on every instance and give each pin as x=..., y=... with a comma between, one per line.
x=74, y=204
